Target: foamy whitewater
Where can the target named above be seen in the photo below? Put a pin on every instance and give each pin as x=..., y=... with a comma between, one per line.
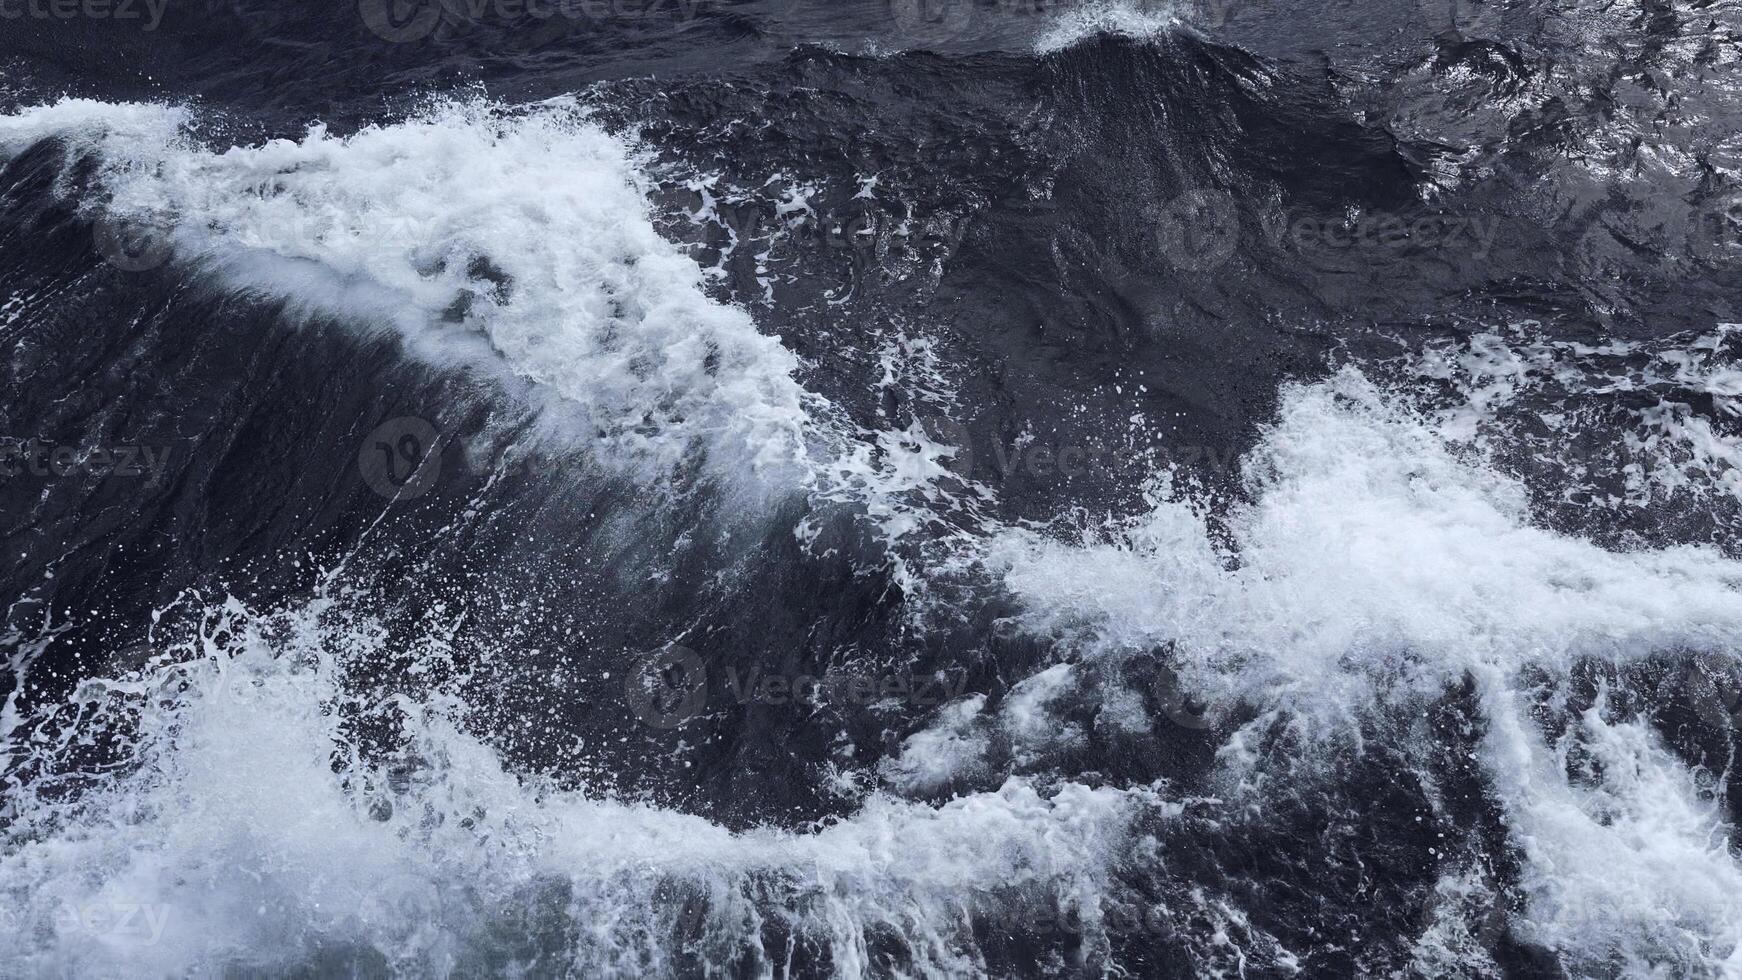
x=525, y=228
x=233, y=816
x=211, y=806
x=1375, y=564
x=1131, y=18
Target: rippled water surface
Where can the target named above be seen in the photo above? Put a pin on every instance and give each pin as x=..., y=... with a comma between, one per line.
x=870, y=488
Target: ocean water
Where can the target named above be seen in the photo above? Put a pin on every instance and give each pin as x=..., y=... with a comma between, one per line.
x=901, y=488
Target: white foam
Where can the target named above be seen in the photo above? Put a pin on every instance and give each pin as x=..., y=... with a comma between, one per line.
x=1380, y=556
x=232, y=827
x=1669, y=450
x=1371, y=547
x=416, y=224
x=952, y=747
x=1379, y=561
x=1130, y=18
x=1632, y=867
x=1455, y=941
x=1028, y=716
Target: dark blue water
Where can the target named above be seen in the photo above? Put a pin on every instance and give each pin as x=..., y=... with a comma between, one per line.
x=889, y=488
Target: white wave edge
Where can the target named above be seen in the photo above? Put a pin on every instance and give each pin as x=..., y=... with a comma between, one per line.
x=526, y=229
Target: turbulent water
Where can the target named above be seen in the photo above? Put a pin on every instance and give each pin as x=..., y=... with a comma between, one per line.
x=870, y=488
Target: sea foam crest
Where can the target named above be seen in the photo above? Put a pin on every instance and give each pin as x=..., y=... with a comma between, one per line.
x=489, y=237
x=242, y=824
x=1379, y=561
x=1128, y=18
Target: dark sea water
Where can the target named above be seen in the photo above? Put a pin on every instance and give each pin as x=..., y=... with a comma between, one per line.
x=872, y=488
